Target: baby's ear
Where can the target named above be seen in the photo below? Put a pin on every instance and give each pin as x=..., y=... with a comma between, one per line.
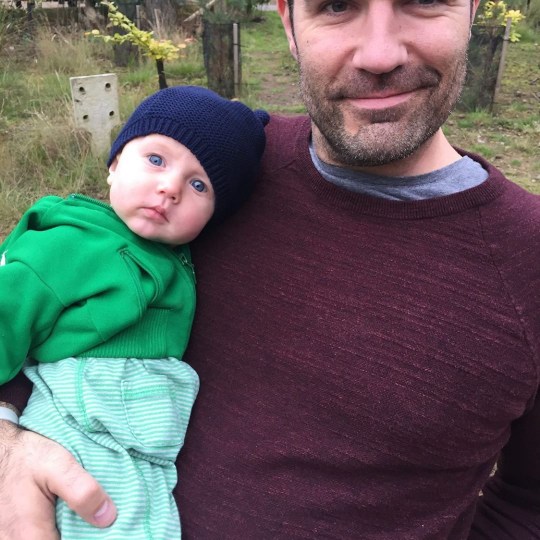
x=112, y=168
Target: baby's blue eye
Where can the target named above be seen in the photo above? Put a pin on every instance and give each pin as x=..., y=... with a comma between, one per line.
x=199, y=185
x=154, y=159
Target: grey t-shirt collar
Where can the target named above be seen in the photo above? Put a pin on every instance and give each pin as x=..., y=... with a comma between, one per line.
x=463, y=174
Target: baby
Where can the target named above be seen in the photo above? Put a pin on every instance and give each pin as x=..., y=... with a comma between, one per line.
x=101, y=299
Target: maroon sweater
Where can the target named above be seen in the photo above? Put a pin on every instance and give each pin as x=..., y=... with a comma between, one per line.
x=363, y=362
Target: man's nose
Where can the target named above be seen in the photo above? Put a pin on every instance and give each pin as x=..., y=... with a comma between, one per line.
x=380, y=45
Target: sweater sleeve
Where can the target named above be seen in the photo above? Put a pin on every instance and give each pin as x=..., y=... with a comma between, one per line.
x=28, y=310
x=67, y=288
x=509, y=508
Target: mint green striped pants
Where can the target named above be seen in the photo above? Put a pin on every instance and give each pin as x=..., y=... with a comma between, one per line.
x=124, y=420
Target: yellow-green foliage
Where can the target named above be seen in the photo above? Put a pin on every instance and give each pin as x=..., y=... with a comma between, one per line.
x=496, y=13
x=158, y=49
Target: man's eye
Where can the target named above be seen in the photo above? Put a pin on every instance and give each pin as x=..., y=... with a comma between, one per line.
x=154, y=159
x=198, y=185
x=337, y=7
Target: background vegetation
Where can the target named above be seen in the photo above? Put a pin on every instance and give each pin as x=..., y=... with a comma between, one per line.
x=41, y=151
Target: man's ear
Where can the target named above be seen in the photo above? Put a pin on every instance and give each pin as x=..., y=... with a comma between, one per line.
x=284, y=13
x=474, y=7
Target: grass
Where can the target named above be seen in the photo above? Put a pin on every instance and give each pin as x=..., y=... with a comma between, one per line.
x=269, y=71
x=510, y=136
x=42, y=152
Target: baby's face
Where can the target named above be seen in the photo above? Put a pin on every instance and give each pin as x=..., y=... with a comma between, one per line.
x=160, y=190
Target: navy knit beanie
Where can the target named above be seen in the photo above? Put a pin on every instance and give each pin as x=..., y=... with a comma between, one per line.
x=227, y=137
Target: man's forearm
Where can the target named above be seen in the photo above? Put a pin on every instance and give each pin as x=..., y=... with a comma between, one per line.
x=507, y=512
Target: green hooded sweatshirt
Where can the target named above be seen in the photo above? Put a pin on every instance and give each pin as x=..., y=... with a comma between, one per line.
x=76, y=281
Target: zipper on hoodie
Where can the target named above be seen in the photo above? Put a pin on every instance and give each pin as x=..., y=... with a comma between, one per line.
x=190, y=265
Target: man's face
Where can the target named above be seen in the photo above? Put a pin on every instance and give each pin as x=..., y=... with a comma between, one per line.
x=378, y=77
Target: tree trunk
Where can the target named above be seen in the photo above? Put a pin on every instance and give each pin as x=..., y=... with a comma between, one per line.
x=484, y=58
x=161, y=16
x=126, y=54
x=161, y=74
x=219, y=57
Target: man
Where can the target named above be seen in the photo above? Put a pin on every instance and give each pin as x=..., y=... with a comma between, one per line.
x=366, y=334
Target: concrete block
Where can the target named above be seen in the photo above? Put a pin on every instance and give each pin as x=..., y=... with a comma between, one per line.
x=95, y=106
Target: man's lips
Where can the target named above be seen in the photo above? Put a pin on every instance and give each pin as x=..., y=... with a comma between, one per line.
x=370, y=92
x=381, y=100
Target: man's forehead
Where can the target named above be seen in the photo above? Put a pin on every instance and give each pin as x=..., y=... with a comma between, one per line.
x=310, y=4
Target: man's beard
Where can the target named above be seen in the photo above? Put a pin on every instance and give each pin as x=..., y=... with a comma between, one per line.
x=385, y=135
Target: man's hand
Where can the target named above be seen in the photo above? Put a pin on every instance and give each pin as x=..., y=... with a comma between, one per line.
x=33, y=471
